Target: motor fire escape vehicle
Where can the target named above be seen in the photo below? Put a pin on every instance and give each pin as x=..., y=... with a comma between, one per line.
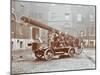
x=61, y=44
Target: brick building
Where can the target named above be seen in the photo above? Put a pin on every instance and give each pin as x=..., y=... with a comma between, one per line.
x=70, y=19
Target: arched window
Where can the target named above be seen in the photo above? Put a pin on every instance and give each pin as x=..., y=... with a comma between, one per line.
x=13, y=17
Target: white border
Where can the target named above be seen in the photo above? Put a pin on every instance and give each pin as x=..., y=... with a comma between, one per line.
x=5, y=36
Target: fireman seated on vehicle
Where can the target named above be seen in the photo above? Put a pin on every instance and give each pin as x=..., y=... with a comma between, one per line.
x=56, y=40
x=62, y=40
x=59, y=40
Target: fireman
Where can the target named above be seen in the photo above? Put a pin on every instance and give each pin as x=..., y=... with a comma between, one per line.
x=62, y=39
x=55, y=40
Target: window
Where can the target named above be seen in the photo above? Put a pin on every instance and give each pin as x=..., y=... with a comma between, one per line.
x=40, y=15
x=91, y=43
x=17, y=41
x=82, y=33
x=91, y=18
x=35, y=33
x=13, y=25
x=79, y=17
x=67, y=17
x=21, y=44
x=12, y=45
x=13, y=17
x=92, y=31
x=21, y=4
x=53, y=16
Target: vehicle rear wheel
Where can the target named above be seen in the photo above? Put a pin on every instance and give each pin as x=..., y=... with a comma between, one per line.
x=48, y=54
x=78, y=51
x=39, y=54
x=71, y=52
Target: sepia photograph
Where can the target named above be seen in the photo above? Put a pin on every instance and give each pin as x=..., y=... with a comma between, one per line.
x=52, y=37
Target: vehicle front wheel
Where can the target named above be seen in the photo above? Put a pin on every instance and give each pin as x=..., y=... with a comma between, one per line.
x=39, y=54
x=48, y=54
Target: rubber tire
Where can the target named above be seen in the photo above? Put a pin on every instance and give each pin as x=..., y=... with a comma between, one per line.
x=48, y=54
x=39, y=54
x=78, y=51
x=71, y=52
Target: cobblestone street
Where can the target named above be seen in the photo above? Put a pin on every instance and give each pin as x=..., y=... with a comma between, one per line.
x=28, y=63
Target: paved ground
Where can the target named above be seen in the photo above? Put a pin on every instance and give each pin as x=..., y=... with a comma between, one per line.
x=29, y=64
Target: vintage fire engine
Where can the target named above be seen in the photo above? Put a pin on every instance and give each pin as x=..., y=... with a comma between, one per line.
x=60, y=44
